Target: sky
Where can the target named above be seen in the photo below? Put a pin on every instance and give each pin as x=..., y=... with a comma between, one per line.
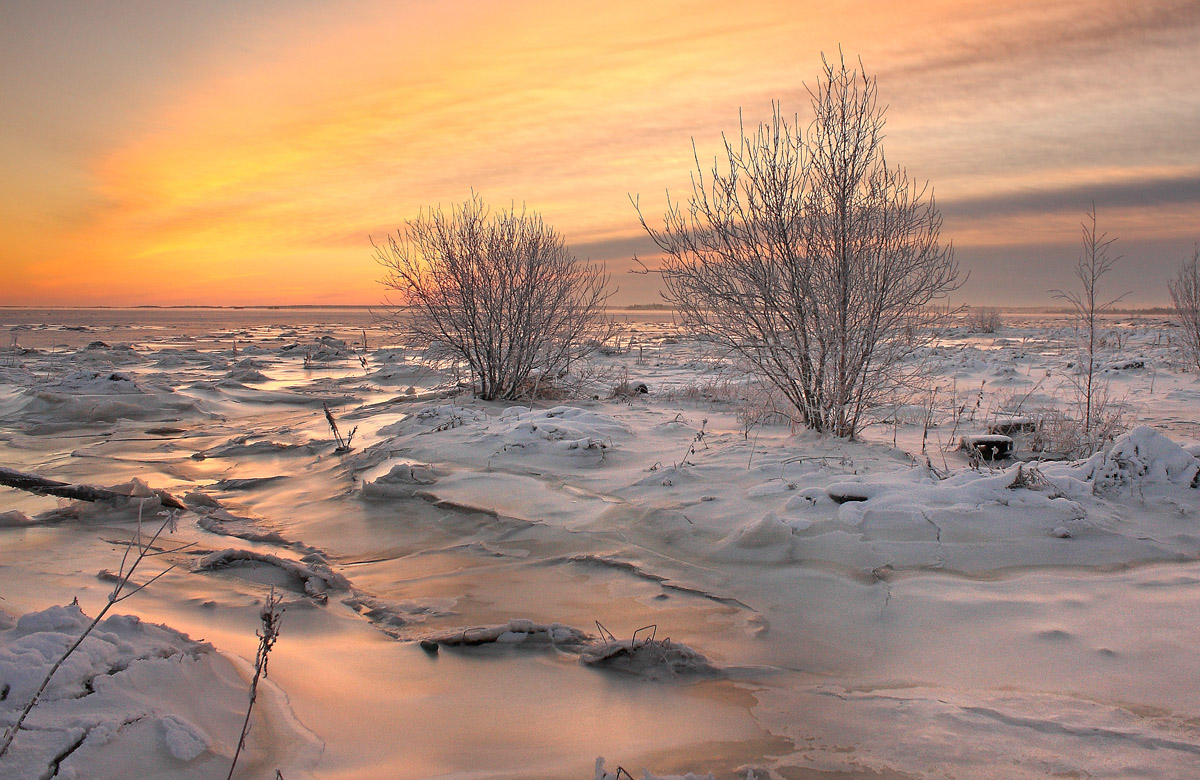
x=239, y=152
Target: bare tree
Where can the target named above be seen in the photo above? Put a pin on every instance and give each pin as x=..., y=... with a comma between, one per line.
x=1185, y=295
x=500, y=293
x=809, y=257
x=1087, y=307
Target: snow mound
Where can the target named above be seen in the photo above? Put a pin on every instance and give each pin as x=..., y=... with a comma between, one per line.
x=767, y=540
x=563, y=431
x=14, y=519
x=649, y=658
x=184, y=740
x=402, y=481
x=242, y=447
x=1145, y=456
x=515, y=632
x=40, y=638
x=653, y=659
x=561, y=423
x=94, y=383
x=316, y=578
x=83, y=397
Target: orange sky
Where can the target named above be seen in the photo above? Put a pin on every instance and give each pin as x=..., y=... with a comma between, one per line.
x=243, y=152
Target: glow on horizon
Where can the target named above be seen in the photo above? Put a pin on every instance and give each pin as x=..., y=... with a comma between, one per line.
x=280, y=140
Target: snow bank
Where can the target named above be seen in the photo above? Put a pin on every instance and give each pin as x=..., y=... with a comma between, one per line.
x=134, y=699
x=87, y=397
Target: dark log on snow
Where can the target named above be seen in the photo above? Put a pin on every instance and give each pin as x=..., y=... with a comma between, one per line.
x=52, y=487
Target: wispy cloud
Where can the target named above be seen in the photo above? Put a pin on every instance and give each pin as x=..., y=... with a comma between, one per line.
x=282, y=136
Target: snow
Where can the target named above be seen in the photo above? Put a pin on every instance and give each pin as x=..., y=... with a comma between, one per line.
x=886, y=607
x=315, y=579
x=1144, y=456
x=133, y=698
x=185, y=741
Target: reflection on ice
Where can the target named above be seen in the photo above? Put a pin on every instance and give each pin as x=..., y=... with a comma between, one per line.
x=858, y=608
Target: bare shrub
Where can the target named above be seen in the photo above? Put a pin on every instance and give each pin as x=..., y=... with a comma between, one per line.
x=1087, y=306
x=809, y=257
x=984, y=319
x=763, y=405
x=1185, y=296
x=1060, y=432
x=624, y=389
x=499, y=293
x=718, y=390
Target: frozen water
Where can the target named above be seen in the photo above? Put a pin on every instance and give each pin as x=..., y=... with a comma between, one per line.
x=754, y=601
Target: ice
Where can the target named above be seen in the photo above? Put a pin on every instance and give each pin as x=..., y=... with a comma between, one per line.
x=884, y=607
x=315, y=579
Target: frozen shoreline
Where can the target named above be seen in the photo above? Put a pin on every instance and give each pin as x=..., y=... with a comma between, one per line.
x=940, y=627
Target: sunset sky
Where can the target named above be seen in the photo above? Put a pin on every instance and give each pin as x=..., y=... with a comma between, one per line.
x=244, y=151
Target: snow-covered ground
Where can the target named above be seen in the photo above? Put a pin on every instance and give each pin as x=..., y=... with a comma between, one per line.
x=484, y=590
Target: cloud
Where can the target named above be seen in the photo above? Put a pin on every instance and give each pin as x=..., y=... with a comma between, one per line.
x=280, y=132
x=1182, y=190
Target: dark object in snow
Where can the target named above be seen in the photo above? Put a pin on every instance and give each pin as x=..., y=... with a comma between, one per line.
x=1127, y=364
x=429, y=646
x=842, y=492
x=97, y=345
x=52, y=487
x=1013, y=425
x=988, y=447
x=642, y=388
x=165, y=430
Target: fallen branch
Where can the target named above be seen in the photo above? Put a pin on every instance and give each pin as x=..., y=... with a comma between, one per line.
x=52, y=487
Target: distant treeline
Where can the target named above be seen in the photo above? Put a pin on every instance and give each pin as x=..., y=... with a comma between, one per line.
x=1063, y=310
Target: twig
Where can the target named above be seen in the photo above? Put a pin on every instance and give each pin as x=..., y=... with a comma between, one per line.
x=270, y=616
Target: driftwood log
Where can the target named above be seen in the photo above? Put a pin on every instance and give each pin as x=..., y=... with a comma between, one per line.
x=52, y=487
